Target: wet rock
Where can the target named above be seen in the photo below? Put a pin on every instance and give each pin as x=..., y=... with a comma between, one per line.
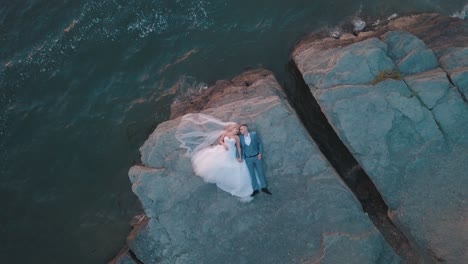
x=358, y=24
x=346, y=36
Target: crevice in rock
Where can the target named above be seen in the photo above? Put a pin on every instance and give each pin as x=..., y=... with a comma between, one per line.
x=134, y=257
x=439, y=126
x=448, y=77
x=308, y=110
x=456, y=87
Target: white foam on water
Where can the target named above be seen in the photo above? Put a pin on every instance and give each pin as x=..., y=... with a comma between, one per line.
x=160, y=19
x=336, y=32
x=103, y=22
x=358, y=24
x=392, y=16
x=462, y=14
x=187, y=88
x=145, y=24
x=198, y=16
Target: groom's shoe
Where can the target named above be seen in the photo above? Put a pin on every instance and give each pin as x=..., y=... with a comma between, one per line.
x=254, y=193
x=265, y=190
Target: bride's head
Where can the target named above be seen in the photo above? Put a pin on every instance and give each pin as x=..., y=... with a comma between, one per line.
x=233, y=129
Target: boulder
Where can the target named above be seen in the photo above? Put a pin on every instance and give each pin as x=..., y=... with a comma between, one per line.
x=312, y=217
x=407, y=130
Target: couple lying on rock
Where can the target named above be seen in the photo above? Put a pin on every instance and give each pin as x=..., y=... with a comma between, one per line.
x=235, y=165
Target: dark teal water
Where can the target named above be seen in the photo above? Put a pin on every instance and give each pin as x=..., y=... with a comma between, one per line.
x=83, y=83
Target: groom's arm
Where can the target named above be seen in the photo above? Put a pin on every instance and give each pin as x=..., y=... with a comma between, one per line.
x=260, y=146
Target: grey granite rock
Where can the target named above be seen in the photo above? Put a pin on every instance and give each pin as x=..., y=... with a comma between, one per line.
x=124, y=259
x=312, y=217
x=409, y=53
x=445, y=102
x=430, y=86
x=358, y=63
x=409, y=135
x=455, y=62
x=151, y=244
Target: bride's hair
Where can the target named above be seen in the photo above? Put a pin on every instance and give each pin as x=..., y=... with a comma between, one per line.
x=229, y=128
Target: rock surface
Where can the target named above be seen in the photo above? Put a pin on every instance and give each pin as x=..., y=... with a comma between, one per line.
x=123, y=258
x=408, y=133
x=312, y=217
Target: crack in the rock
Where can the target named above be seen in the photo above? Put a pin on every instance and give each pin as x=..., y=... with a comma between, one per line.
x=453, y=84
x=309, y=112
x=444, y=134
x=447, y=91
x=439, y=126
x=134, y=257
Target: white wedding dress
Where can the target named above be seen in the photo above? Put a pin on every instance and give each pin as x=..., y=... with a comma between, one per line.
x=217, y=165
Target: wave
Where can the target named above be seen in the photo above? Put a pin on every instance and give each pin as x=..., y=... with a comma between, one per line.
x=101, y=22
x=145, y=17
x=186, y=88
x=462, y=14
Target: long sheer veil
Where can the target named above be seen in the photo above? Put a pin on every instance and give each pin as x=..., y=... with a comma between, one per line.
x=197, y=131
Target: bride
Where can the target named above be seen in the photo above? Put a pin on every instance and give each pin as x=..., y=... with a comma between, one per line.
x=216, y=164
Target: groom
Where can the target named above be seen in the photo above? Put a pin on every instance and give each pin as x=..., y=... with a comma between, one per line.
x=252, y=150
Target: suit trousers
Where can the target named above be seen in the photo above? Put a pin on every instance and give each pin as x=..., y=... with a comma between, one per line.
x=256, y=165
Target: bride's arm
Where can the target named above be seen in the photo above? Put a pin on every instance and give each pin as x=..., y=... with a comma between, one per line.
x=238, y=148
x=221, y=141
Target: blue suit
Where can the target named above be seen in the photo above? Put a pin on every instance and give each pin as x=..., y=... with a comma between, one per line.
x=250, y=155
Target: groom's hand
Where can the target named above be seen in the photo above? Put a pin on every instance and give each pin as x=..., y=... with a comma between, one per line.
x=239, y=160
x=259, y=157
